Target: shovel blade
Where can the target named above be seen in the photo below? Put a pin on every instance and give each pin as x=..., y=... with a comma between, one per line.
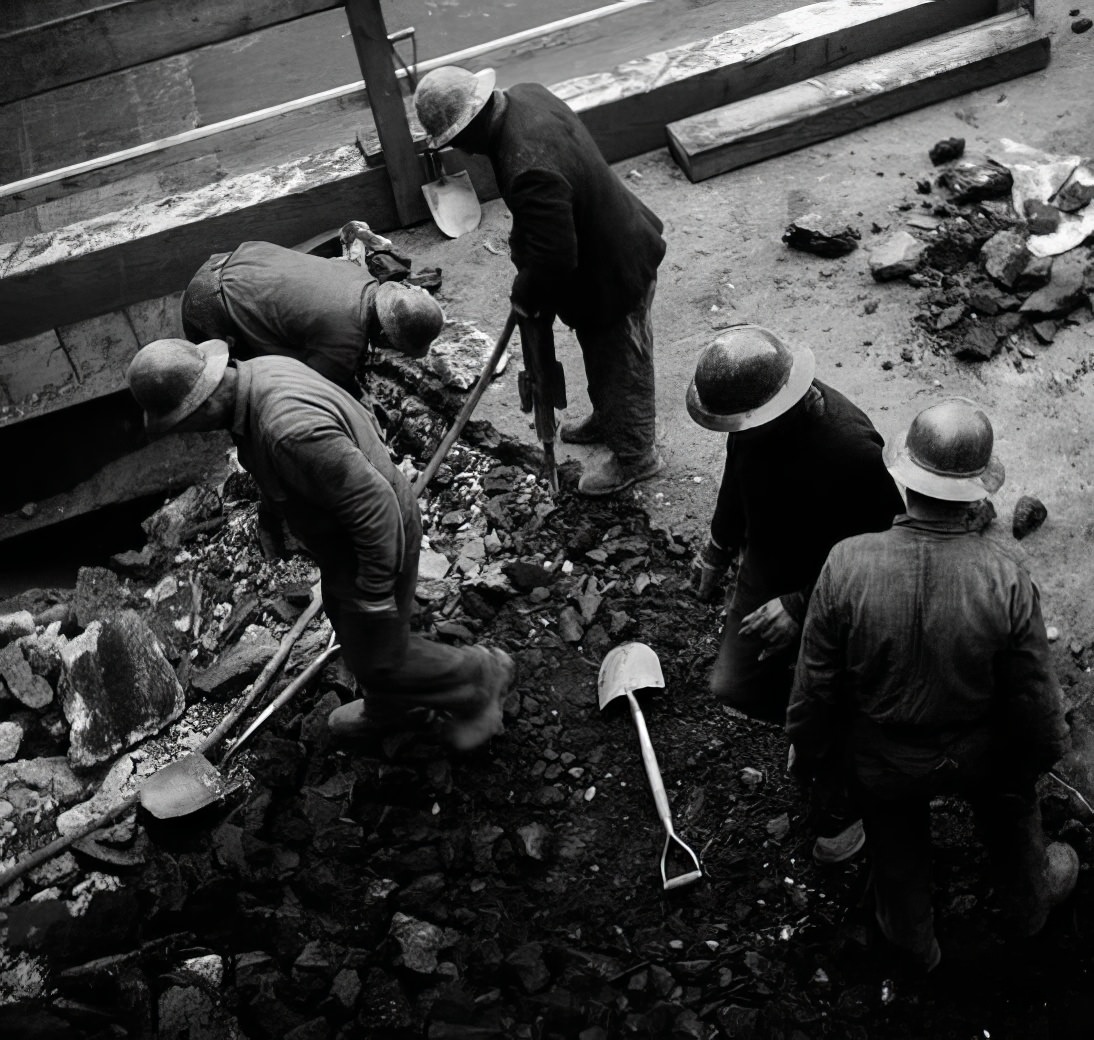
x=182, y=787
x=626, y=668
x=453, y=203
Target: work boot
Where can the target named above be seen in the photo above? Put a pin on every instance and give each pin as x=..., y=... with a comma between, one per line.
x=588, y=430
x=354, y=721
x=1061, y=876
x=607, y=475
x=484, y=720
x=840, y=847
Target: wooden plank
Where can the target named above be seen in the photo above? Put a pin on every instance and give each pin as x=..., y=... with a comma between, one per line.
x=385, y=98
x=32, y=369
x=801, y=114
x=84, y=43
x=627, y=109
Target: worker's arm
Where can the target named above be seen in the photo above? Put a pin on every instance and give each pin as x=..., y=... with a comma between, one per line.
x=543, y=241
x=329, y=470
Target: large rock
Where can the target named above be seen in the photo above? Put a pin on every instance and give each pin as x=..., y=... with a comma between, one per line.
x=26, y=687
x=896, y=256
x=98, y=593
x=822, y=236
x=11, y=736
x=193, y=510
x=238, y=665
x=117, y=689
x=458, y=355
x=1005, y=257
x=1066, y=288
x=12, y=626
x=419, y=943
x=52, y=776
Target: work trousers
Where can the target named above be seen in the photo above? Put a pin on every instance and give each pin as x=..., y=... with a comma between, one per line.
x=760, y=689
x=398, y=670
x=898, y=843
x=619, y=370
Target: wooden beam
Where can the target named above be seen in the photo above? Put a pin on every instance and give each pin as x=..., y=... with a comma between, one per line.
x=826, y=106
x=111, y=37
x=385, y=98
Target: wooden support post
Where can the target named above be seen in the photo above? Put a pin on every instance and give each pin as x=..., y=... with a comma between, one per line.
x=366, y=23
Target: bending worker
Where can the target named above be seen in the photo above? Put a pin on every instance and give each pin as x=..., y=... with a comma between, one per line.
x=318, y=454
x=585, y=248
x=803, y=470
x=925, y=665
x=265, y=299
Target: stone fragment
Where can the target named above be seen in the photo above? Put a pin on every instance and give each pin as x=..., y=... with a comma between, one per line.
x=973, y=178
x=111, y=789
x=946, y=150
x=896, y=256
x=526, y=964
x=194, y=1013
x=419, y=943
x=12, y=626
x=26, y=687
x=570, y=626
x=1035, y=274
x=176, y=521
x=949, y=317
x=1074, y=196
x=11, y=736
x=238, y=665
x=822, y=236
x=1041, y=218
x=1029, y=514
x=457, y=356
x=1005, y=256
x=1065, y=290
x=1081, y=25
x=118, y=688
x=432, y=565
x=979, y=343
x=1045, y=331
x=526, y=576
x=534, y=840
x=51, y=776
x=134, y=563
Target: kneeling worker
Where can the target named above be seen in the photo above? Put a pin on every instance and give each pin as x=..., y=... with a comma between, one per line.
x=265, y=299
x=318, y=454
x=925, y=665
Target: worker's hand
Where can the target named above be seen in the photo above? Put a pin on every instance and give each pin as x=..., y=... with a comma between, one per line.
x=773, y=625
x=708, y=569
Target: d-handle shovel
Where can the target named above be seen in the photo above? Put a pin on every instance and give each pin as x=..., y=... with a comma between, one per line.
x=627, y=668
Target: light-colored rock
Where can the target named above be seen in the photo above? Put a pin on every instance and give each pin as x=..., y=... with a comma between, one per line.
x=115, y=786
x=12, y=626
x=117, y=689
x=895, y=256
x=11, y=736
x=238, y=665
x=1005, y=256
x=419, y=943
x=52, y=776
x=98, y=593
x=459, y=354
x=26, y=687
x=432, y=565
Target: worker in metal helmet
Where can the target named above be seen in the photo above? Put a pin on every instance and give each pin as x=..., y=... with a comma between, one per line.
x=585, y=249
x=318, y=454
x=803, y=470
x=265, y=299
x=925, y=659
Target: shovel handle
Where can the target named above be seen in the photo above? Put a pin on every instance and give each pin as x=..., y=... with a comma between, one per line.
x=421, y=482
x=649, y=760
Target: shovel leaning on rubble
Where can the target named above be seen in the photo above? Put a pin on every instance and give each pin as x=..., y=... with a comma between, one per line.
x=626, y=669
x=451, y=198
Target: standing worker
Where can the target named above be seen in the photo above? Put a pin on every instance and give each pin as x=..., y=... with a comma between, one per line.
x=585, y=248
x=925, y=666
x=319, y=455
x=265, y=299
x=803, y=470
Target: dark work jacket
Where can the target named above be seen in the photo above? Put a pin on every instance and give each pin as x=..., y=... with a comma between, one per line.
x=318, y=455
x=585, y=247
x=297, y=305
x=923, y=643
x=794, y=487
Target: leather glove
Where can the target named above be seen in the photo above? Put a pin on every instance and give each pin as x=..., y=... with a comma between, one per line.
x=708, y=569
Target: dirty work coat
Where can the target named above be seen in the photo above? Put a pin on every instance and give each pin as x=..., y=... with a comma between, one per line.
x=298, y=305
x=925, y=643
x=585, y=247
x=319, y=456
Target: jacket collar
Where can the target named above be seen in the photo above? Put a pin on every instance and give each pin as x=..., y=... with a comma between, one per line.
x=959, y=525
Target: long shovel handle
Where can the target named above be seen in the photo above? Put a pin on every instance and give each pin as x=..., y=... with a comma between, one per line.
x=649, y=760
x=427, y=474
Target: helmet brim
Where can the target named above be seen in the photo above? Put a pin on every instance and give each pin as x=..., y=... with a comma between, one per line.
x=216, y=361
x=802, y=370
x=484, y=87
x=904, y=469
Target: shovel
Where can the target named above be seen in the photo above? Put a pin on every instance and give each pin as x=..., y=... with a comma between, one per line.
x=193, y=782
x=627, y=668
x=451, y=198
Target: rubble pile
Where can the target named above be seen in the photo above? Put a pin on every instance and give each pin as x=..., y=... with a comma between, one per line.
x=398, y=890
x=987, y=290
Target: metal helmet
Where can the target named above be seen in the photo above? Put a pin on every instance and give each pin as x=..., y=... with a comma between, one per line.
x=172, y=378
x=746, y=378
x=448, y=98
x=410, y=317
x=947, y=453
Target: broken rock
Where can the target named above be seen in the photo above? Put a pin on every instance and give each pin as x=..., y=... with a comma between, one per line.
x=1065, y=290
x=12, y=626
x=896, y=256
x=976, y=177
x=979, y=343
x=947, y=150
x=419, y=943
x=1005, y=257
x=182, y=517
x=458, y=355
x=26, y=687
x=1029, y=514
x=11, y=736
x=821, y=236
x=238, y=665
x=98, y=593
x=118, y=688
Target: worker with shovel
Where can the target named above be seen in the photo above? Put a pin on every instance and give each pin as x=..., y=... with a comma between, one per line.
x=265, y=299
x=803, y=470
x=319, y=455
x=925, y=666
x=585, y=248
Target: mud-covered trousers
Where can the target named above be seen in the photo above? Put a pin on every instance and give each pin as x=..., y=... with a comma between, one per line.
x=896, y=814
x=619, y=370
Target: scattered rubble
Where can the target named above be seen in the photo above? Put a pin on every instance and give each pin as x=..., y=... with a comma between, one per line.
x=824, y=236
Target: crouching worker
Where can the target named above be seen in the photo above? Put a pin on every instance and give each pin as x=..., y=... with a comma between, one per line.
x=924, y=655
x=318, y=454
x=265, y=299
x=803, y=470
